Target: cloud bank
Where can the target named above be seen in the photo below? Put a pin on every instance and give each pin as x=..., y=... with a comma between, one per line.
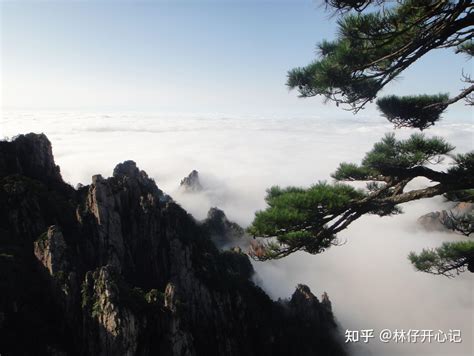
x=369, y=279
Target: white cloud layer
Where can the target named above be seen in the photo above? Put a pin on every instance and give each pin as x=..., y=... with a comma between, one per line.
x=369, y=279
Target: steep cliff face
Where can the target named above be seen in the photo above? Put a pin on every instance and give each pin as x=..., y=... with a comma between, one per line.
x=118, y=268
x=30, y=155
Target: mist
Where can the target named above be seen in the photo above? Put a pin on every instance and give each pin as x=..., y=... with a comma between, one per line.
x=369, y=279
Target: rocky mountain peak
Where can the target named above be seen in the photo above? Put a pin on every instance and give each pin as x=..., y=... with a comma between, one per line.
x=29, y=155
x=303, y=296
x=222, y=231
x=191, y=182
x=127, y=169
x=307, y=306
x=216, y=214
x=117, y=270
x=325, y=301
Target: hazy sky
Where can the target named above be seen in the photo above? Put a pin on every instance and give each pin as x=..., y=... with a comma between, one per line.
x=226, y=57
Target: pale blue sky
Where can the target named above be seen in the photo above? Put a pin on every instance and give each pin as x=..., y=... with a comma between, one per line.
x=227, y=57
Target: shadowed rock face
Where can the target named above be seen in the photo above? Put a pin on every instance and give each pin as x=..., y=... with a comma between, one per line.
x=30, y=155
x=222, y=231
x=117, y=268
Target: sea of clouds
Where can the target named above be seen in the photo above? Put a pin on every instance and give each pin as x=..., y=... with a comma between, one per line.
x=369, y=279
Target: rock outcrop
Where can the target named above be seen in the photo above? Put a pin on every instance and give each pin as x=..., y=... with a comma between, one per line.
x=223, y=232
x=118, y=268
x=50, y=250
x=447, y=219
x=191, y=183
x=30, y=155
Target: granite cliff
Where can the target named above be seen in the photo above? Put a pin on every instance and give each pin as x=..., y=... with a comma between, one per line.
x=118, y=268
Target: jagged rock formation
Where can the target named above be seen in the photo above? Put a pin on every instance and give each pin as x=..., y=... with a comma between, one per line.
x=191, y=183
x=29, y=155
x=447, y=219
x=222, y=231
x=117, y=268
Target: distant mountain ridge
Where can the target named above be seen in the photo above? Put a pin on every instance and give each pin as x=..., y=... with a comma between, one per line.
x=118, y=268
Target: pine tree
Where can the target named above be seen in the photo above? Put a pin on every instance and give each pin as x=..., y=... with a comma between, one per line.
x=371, y=50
